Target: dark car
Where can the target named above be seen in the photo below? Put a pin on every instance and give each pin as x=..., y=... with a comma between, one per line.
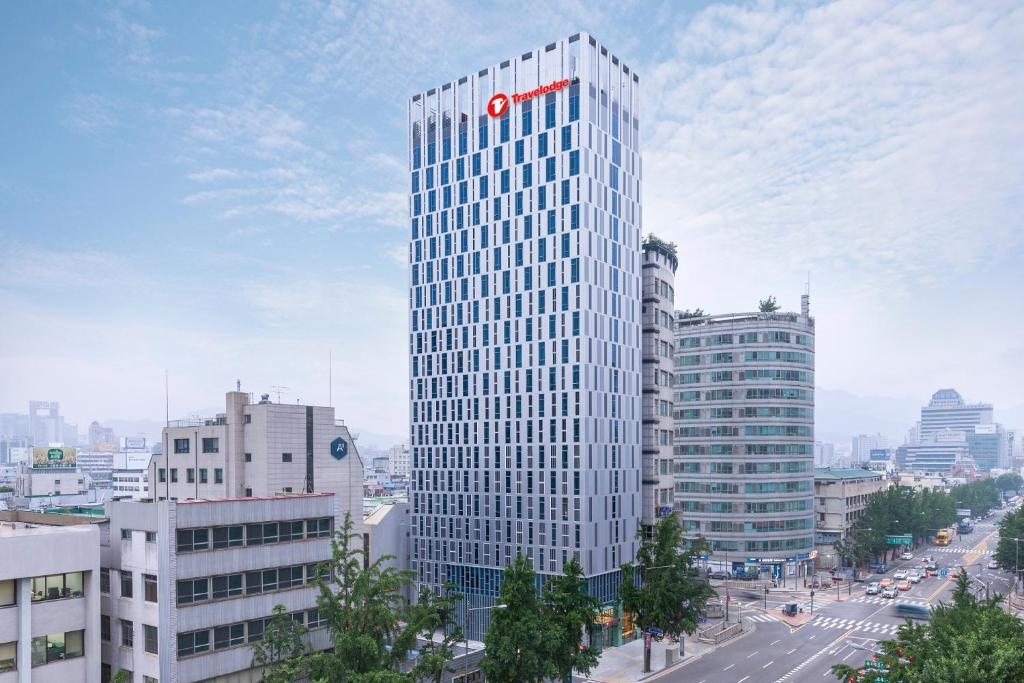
x=912, y=611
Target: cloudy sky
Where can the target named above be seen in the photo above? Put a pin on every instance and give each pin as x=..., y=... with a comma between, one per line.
x=218, y=189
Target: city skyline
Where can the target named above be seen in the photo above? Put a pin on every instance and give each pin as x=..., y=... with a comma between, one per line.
x=212, y=221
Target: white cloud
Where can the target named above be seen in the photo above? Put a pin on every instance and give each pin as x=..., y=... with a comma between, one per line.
x=89, y=113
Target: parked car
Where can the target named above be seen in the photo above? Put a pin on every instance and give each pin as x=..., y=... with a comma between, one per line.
x=907, y=555
x=721, y=576
x=885, y=583
x=900, y=575
x=993, y=565
x=903, y=585
x=889, y=592
x=873, y=588
x=912, y=611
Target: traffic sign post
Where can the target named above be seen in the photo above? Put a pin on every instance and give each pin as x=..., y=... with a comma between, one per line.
x=899, y=539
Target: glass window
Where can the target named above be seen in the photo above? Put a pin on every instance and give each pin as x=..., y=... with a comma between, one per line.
x=74, y=644
x=227, y=586
x=286, y=457
x=57, y=586
x=8, y=593
x=181, y=446
x=105, y=627
x=149, y=587
x=204, y=475
x=8, y=657
x=127, y=633
x=126, y=534
x=152, y=639
x=126, y=584
x=211, y=445
x=105, y=581
x=218, y=476
x=190, y=475
x=193, y=643
x=227, y=536
x=227, y=636
x=256, y=628
x=150, y=537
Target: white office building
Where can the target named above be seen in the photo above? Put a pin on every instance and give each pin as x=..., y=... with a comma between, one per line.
x=947, y=411
x=188, y=586
x=260, y=449
x=524, y=319
x=49, y=600
x=399, y=462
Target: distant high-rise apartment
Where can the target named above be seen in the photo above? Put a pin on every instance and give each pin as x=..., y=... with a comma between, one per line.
x=260, y=449
x=863, y=444
x=659, y=272
x=744, y=438
x=399, y=463
x=45, y=423
x=524, y=321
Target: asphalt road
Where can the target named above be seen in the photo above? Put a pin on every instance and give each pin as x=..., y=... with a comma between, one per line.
x=847, y=631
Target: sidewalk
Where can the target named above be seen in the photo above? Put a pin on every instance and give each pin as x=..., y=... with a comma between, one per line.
x=625, y=664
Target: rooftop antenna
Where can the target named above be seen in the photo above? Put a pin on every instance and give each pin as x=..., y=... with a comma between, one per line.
x=279, y=390
x=238, y=385
x=167, y=401
x=330, y=378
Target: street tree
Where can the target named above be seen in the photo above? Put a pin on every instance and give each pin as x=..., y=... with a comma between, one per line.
x=570, y=610
x=281, y=653
x=434, y=632
x=1011, y=533
x=662, y=588
x=516, y=643
x=1009, y=481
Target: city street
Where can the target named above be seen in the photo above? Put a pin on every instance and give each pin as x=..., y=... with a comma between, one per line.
x=847, y=631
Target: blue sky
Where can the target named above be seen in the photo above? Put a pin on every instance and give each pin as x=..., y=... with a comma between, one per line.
x=218, y=189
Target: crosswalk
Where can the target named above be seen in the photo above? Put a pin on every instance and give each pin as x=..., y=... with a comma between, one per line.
x=959, y=550
x=763, y=617
x=856, y=624
x=879, y=600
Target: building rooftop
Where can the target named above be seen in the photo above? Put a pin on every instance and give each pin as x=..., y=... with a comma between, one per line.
x=244, y=499
x=845, y=473
x=22, y=529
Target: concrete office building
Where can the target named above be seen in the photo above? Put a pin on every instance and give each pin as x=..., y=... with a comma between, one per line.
x=658, y=270
x=947, y=411
x=524, y=320
x=49, y=599
x=841, y=495
x=399, y=462
x=863, y=444
x=97, y=465
x=824, y=454
x=744, y=438
x=260, y=449
x=188, y=586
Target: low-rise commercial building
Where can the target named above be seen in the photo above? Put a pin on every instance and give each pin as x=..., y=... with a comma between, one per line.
x=840, y=498
x=188, y=586
x=260, y=449
x=49, y=599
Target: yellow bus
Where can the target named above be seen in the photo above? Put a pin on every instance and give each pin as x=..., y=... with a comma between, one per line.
x=942, y=538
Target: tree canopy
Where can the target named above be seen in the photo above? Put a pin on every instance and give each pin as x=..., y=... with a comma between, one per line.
x=1007, y=552
x=1009, y=481
x=662, y=587
x=768, y=305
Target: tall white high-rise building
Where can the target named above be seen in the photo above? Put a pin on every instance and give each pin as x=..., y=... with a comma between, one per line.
x=524, y=320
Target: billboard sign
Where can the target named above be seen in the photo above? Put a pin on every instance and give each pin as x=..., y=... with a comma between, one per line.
x=135, y=442
x=53, y=457
x=963, y=512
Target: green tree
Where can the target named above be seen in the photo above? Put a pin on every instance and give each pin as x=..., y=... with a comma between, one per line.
x=768, y=305
x=1011, y=532
x=280, y=654
x=662, y=587
x=570, y=610
x=516, y=643
x=432, y=624
x=967, y=640
x=1010, y=481
x=695, y=313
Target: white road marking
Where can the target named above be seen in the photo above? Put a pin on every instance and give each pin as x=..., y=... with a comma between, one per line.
x=752, y=654
x=768, y=664
x=743, y=679
x=728, y=667
x=791, y=651
x=777, y=641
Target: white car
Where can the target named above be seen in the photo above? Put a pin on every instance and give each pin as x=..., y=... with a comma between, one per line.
x=889, y=592
x=914, y=577
x=901, y=575
x=873, y=588
x=907, y=556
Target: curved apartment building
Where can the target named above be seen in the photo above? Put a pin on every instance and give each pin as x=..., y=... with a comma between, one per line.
x=658, y=269
x=744, y=438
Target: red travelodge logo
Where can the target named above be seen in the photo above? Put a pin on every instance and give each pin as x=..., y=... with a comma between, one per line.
x=498, y=104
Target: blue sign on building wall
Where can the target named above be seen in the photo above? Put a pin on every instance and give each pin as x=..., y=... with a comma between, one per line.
x=339, y=448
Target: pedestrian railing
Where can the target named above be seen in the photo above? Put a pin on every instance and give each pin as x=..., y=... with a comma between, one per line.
x=718, y=633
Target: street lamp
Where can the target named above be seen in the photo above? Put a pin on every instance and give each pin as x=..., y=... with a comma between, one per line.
x=469, y=611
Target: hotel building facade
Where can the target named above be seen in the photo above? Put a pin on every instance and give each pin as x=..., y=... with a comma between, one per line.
x=524, y=320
